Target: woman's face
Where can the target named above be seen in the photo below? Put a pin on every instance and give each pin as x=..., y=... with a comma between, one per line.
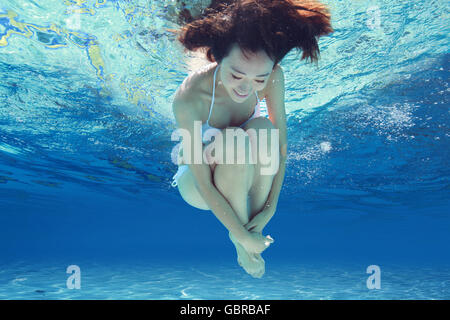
x=243, y=75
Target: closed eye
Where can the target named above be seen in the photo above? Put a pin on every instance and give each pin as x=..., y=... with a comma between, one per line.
x=237, y=78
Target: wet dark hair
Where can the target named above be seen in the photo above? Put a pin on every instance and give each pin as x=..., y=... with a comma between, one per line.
x=275, y=26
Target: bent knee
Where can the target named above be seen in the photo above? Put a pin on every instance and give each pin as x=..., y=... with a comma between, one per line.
x=259, y=123
x=237, y=146
x=260, y=127
x=234, y=147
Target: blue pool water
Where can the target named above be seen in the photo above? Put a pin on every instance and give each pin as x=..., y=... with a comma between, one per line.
x=85, y=159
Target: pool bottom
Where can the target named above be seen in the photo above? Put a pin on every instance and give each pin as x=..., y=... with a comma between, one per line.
x=25, y=280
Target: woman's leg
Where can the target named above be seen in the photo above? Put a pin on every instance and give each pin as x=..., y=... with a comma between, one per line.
x=262, y=183
x=234, y=180
x=259, y=190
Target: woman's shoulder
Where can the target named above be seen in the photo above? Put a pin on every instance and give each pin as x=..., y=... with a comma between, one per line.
x=193, y=93
x=199, y=80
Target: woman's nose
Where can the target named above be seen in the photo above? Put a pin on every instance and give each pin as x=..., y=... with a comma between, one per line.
x=244, y=89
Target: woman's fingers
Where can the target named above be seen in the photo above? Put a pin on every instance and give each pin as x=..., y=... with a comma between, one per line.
x=249, y=226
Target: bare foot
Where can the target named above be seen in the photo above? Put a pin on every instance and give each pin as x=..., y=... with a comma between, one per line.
x=252, y=263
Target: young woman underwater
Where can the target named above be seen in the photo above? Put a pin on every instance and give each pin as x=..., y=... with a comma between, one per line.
x=245, y=40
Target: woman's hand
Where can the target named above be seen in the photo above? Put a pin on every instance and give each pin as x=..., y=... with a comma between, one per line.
x=255, y=242
x=259, y=221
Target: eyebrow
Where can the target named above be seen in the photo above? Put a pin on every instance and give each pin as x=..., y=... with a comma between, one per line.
x=261, y=75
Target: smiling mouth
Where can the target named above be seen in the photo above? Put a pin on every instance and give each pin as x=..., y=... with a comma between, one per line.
x=240, y=95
